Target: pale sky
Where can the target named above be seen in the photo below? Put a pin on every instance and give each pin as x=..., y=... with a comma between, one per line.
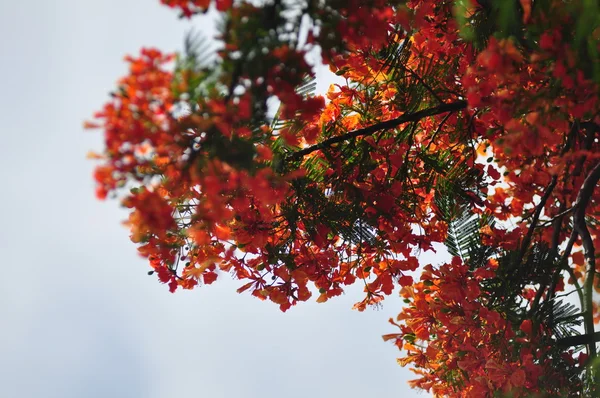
x=80, y=316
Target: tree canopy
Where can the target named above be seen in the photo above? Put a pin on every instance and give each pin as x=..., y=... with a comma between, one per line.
x=473, y=124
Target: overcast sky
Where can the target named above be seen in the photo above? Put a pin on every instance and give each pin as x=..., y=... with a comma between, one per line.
x=79, y=315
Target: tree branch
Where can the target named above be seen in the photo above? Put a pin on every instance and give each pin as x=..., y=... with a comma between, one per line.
x=583, y=198
x=540, y=207
x=388, y=124
x=536, y=217
x=556, y=229
x=579, y=340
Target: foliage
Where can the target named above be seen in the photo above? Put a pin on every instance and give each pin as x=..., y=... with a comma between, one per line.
x=469, y=123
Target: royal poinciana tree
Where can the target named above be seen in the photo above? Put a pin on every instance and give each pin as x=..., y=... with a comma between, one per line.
x=470, y=123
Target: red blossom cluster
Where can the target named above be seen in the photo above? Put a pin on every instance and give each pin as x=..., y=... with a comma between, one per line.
x=460, y=347
x=190, y=7
x=471, y=123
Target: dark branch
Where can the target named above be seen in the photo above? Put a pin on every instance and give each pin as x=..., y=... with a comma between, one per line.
x=540, y=207
x=579, y=340
x=536, y=217
x=388, y=124
x=579, y=224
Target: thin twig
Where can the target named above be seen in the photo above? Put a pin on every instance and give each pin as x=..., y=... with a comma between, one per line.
x=388, y=124
x=438, y=129
x=560, y=215
x=427, y=87
x=540, y=207
x=536, y=216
